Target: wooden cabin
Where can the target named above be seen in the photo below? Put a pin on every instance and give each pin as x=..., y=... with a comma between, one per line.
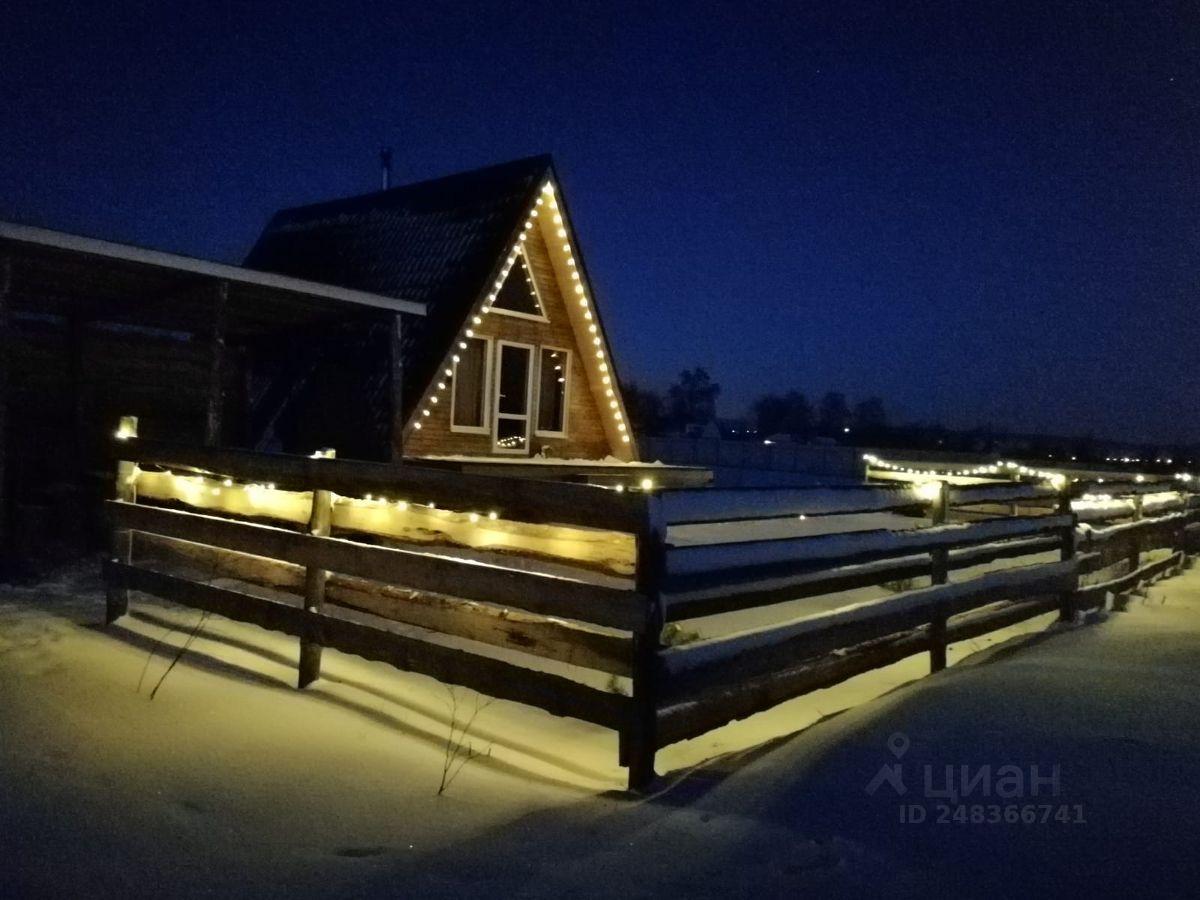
x=510, y=360
x=450, y=321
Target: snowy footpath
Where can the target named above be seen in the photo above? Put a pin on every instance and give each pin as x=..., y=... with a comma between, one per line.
x=1060, y=763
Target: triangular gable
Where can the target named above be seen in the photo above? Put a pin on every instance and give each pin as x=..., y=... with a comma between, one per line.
x=548, y=214
x=435, y=242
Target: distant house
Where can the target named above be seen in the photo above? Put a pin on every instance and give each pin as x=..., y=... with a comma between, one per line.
x=510, y=359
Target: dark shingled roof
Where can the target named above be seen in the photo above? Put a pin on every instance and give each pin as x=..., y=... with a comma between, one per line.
x=434, y=242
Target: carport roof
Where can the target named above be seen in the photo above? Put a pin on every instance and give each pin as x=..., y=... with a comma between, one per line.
x=56, y=273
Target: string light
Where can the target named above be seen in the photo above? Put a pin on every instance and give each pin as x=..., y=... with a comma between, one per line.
x=1001, y=468
x=516, y=256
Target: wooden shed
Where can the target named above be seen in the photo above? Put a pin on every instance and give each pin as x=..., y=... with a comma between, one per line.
x=201, y=352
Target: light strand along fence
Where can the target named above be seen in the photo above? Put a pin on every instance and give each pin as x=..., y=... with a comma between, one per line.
x=581, y=644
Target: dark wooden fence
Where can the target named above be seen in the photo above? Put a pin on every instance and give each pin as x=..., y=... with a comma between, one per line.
x=343, y=590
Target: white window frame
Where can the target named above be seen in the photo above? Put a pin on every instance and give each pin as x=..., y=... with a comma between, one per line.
x=485, y=401
x=536, y=293
x=528, y=417
x=566, y=393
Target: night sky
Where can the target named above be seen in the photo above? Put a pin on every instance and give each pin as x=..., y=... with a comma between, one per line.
x=981, y=212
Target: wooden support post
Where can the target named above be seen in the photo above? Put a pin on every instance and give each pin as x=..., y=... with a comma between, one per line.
x=396, y=354
x=213, y=423
x=314, y=581
x=1135, y=544
x=5, y=356
x=939, y=573
x=640, y=737
x=78, y=386
x=121, y=546
x=1067, y=606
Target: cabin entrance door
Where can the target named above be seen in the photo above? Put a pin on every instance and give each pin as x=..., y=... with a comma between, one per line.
x=514, y=389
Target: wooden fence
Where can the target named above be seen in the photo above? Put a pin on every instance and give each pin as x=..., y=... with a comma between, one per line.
x=521, y=624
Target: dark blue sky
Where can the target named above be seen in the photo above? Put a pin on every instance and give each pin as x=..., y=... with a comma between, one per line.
x=982, y=212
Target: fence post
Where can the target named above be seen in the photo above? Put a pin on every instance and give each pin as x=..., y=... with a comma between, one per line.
x=1183, y=524
x=1066, y=606
x=121, y=540
x=640, y=740
x=314, y=579
x=1135, y=541
x=939, y=573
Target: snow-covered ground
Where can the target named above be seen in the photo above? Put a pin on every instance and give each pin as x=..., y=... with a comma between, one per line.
x=230, y=783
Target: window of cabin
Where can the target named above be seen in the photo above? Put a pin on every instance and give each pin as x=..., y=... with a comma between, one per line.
x=553, y=381
x=513, y=382
x=518, y=294
x=468, y=401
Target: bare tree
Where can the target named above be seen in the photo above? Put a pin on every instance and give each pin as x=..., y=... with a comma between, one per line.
x=459, y=750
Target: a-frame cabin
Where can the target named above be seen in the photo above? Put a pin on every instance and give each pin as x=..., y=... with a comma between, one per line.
x=511, y=359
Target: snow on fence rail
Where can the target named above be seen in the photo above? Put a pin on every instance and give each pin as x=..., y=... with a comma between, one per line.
x=577, y=641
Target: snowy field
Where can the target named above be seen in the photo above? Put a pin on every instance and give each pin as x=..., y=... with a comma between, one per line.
x=230, y=783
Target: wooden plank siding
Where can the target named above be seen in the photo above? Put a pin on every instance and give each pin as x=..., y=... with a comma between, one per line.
x=585, y=431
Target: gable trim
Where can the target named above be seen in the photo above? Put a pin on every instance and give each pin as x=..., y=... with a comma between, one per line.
x=546, y=210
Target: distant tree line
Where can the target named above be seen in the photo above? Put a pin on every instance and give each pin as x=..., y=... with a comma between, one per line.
x=689, y=406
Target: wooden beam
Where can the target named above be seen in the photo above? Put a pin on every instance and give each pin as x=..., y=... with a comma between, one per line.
x=216, y=378
x=512, y=498
x=639, y=743
x=534, y=592
x=78, y=387
x=739, y=561
x=315, y=579
x=545, y=636
x=685, y=507
x=831, y=581
x=939, y=573
x=396, y=380
x=711, y=665
x=121, y=539
x=737, y=699
x=5, y=357
x=496, y=678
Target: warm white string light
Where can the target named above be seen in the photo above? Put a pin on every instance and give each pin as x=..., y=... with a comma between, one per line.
x=516, y=255
x=1001, y=468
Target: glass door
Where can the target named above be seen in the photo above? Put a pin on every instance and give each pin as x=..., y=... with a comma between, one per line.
x=514, y=377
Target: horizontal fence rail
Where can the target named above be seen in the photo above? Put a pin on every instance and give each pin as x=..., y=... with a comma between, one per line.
x=698, y=559
x=566, y=503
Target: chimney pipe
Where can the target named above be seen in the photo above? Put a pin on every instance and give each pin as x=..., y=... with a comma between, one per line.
x=385, y=159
